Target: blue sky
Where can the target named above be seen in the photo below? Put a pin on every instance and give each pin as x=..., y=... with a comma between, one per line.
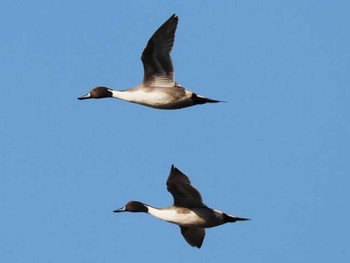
x=276, y=152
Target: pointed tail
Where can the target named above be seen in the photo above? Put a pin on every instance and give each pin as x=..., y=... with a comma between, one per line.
x=201, y=100
x=232, y=219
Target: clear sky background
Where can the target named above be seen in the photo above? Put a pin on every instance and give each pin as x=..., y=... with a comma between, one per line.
x=276, y=152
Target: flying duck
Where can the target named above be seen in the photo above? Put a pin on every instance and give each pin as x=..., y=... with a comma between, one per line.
x=158, y=88
x=188, y=210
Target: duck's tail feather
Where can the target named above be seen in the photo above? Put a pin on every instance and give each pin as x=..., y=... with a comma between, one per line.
x=197, y=99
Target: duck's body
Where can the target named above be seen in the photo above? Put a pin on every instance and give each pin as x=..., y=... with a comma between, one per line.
x=159, y=97
x=188, y=210
x=203, y=217
x=158, y=88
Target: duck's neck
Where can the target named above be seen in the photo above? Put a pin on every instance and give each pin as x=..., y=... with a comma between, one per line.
x=162, y=214
x=122, y=94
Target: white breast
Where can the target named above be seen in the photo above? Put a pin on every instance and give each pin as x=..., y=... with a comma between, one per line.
x=151, y=98
x=173, y=216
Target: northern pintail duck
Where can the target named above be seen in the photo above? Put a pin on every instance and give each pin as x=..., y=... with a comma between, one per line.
x=158, y=89
x=188, y=210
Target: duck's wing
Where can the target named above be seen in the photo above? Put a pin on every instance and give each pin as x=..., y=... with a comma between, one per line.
x=193, y=235
x=156, y=55
x=184, y=194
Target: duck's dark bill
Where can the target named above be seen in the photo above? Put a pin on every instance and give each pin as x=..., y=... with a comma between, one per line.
x=119, y=210
x=87, y=96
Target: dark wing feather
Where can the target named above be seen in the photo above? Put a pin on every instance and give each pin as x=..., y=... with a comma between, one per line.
x=193, y=235
x=156, y=56
x=184, y=194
